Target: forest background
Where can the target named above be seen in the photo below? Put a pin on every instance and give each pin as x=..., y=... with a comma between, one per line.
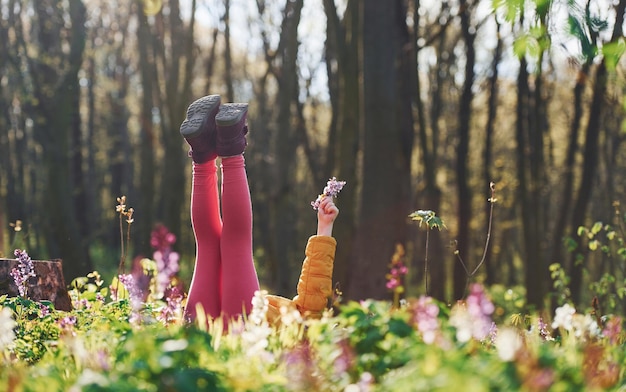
x=416, y=104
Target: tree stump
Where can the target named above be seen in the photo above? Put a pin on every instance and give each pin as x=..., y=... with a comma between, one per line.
x=49, y=283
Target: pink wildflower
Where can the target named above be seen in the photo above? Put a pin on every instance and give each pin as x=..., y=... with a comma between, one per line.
x=425, y=312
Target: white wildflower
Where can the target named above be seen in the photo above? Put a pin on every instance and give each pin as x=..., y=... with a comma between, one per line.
x=585, y=326
x=508, y=342
x=462, y=321
x=260, y=306
x=7, y=336
x=289, y=317
x=257, y=329
x=563, y=317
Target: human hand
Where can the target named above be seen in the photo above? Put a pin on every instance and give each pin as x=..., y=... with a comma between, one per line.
x=326, y=215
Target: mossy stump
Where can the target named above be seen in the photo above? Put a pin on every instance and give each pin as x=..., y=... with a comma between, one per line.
x=48, y=285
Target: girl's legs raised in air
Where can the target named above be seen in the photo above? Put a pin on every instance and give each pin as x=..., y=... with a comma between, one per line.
x=199, y=131
x=239, y=278
x=205, y=285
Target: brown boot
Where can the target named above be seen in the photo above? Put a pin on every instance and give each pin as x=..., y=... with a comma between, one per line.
x=198, y=128
x=231, y=129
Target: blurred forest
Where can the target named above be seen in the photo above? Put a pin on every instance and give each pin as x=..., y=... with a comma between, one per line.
x=416, y=104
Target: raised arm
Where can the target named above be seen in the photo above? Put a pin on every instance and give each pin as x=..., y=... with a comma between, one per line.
x=326, y=215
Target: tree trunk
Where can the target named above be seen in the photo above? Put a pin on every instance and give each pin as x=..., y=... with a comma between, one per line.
x=48, y=284
x=568, y=167
x=387, y=143
x=490, y=269
x=56, y=101
x=464, y=194
x=590, y=154
x=147, y=138
x=343, y=37
x=177, y=65
x=285, y=240
x=585, y=190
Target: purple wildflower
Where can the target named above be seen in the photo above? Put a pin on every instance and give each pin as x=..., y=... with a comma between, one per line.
x=345, y=359
x=43, y=310
x=332, y=189
x=613, y=330
x=392, y=284
x=397, y=271
x=301, y=367
x=82, y=303
x=134, y=294
x=174, y=301
x=480, y=308
x=67, y=324
x=425, y=312
x=543, y=329
x=161, y=238
x=23, y=272
x=166, y=260
x=473, y=319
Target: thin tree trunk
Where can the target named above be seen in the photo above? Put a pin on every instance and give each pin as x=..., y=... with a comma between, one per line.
x=147, y=139
x=464, y=194
x=346, y=109
x=585, y=190
x=285, y=240
x=568, y=167
x=488, y=152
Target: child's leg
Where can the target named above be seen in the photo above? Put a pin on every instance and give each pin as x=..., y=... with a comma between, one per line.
x=239, y=278
x=207, y=225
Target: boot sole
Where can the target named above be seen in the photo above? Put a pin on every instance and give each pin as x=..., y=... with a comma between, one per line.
x=197, y=115
x=231, y=114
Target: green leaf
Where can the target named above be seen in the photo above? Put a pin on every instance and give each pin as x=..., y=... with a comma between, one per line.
x=595, y=229
x=612, y=52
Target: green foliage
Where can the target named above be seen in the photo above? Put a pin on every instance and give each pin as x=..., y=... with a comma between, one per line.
x=560, y=283
x=368, y=345
x=608, y=244
x=429, y=218
x=507, y=301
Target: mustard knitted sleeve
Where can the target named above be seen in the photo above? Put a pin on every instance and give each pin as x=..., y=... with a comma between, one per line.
x=315, y=284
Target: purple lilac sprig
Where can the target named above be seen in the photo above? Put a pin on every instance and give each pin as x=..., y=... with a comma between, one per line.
x=166, y=259
x=23, y=272
x=332, y=189
x=134, y=296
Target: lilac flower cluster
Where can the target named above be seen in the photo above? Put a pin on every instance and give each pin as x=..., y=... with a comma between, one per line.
x=43, y=310
x=425, y=312
x=173, y=309
x=397, y=271
x=332, y=189
x=23, y=272
x=613, y=329
x=472, y=319
x=67, y=325
x=544, y=332
x=135, y=295
x=166, y=260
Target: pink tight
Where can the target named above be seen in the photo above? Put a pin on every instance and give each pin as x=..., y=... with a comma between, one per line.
x=224, y=278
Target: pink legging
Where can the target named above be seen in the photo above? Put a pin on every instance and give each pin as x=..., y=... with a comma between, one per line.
x=224, y=278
